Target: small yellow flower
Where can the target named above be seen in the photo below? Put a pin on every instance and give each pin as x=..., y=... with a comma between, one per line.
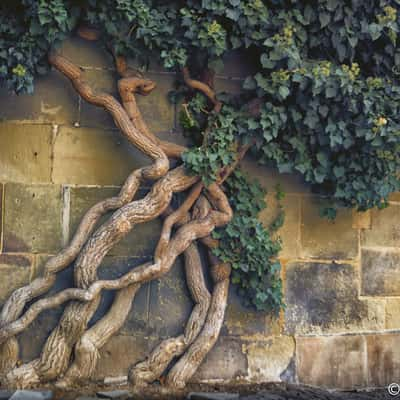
x=381, y=121
x=19, y=70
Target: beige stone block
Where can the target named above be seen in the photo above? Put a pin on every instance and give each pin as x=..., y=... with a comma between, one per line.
x=393, y=313
x=226, y=361
x=383, y=359
x=361, y=219
x=94, y=157
x=268, y=360
x=32, y=218
x=86, y=53
x=380, y=272
x=323, y=298
x=15, y=271
x=290, y=231
x=336, y=362
x=385, y=230
x=227, y=85
x=395, y=197
x=25, y=153
x=323, y=238
x=54, y=101
x=121, y=353
x=1, y=216
x=270, y=177
x=245, y=321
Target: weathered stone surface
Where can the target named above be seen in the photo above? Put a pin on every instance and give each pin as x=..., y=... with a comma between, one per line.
x=121, y=352
x=212, y=396
x=290, y=231
x=25, y=153
x=361, y=219
x=333, y=362
x=385, y=230
x=228, y=85
x=32, y=339
x=141, y=241
x=15, y=271
x=32, y=395
x=137, y=320
x=86, y=53
x=383, y=359
x=269, y=359
x=156, y=109
x=1, y=216
x=393, y=313
x=226, y=361
x=324, y=298
x=54, y=101
x=322, y=238
x=32, y=218
x=270, y=177
x=380, y=272
x=114, y=394
x=86, y=398
x=93, y=157
x=242, y=321
x=170, y=303
x=5, y=394
x=237, y=66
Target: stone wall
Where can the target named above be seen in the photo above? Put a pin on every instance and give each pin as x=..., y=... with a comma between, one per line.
x=59, y=155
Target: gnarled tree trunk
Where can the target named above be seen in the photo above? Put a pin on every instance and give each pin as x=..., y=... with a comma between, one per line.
x=71, y=351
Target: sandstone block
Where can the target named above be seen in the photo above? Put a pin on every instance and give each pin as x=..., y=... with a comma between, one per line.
x=225, y=361
x=15, y=271
x=322, y=238
x=336, y=362
x=32, y=218
x=290, y=231
x=380, y=272
x=170, y=303
x=54, y=101
x=385, y=231
x=121, y=352
x=88, y=156
x=25, y=153
x=324, y=298
x=244, y=321
x=393, y=313
x=383, y=359
x=268, y=360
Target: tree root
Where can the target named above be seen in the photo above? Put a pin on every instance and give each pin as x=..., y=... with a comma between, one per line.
x=15, y=304
x=153, y=367
x=87, y=349
x=89, y=249
x=188, y=364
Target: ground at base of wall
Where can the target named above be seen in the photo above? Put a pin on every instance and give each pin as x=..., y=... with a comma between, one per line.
x=213, y=392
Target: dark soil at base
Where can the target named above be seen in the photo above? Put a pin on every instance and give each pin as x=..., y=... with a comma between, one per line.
x=246, y=391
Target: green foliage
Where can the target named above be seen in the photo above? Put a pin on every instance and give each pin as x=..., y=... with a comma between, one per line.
x=326, y=79
x=249, y=247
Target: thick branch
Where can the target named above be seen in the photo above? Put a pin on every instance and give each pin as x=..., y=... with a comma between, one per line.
x=128, y=86
x=14, y=306
x=202, y=87
x=188, y=364
x=121, y=118
x=87, y=349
